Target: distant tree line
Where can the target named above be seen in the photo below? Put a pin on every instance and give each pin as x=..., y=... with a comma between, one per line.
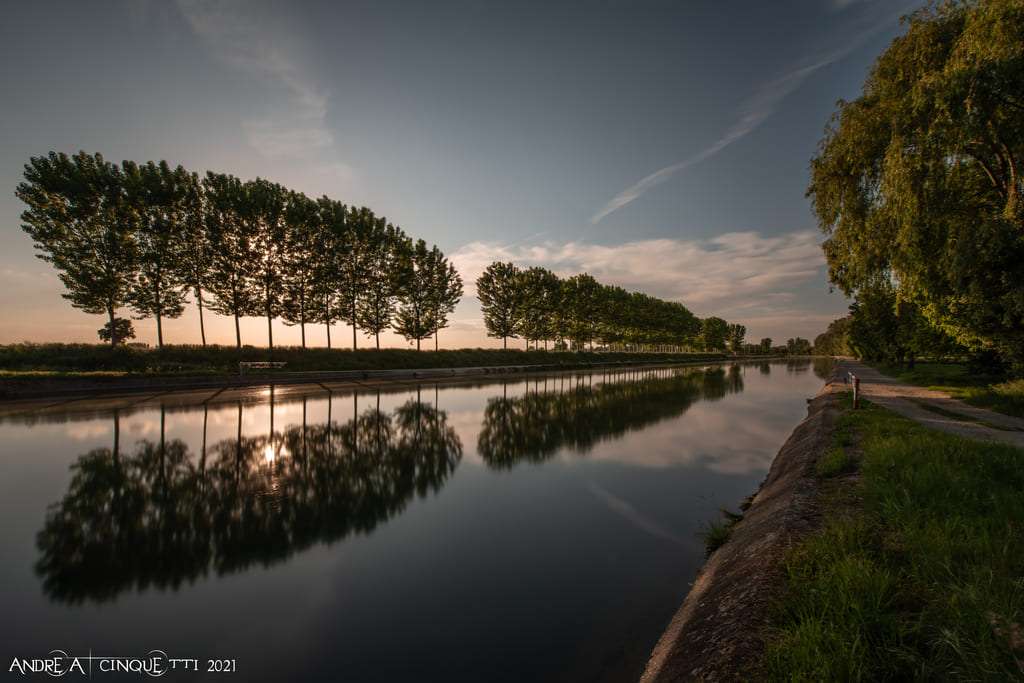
x=148, y=236
x=539, y=306
x=919, y=187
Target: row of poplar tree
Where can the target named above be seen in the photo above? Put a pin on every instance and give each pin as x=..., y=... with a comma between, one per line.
x=539, y=306
x=147, y=235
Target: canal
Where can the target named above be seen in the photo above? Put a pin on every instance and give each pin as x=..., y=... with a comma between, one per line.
x=534, y=528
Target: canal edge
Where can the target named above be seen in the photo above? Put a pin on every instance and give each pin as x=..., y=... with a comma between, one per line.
x=717, y=633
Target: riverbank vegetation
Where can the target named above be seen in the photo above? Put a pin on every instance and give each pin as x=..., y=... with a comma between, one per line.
x=919, y=190
x=69, y=359
x=916, y=573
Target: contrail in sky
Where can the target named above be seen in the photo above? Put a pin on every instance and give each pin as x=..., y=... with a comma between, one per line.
x=753, y=113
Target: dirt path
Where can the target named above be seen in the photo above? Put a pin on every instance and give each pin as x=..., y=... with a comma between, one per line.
x=936, y=409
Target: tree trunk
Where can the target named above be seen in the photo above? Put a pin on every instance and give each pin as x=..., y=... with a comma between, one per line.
x=435, y=340
x=113, y=327
x=238, y=334
x=504, y=343
x=417, y=343
x=353, y=323
x=328, y=334
x=199, y=302
x=302, y=319
x=270, y=331
x=159, y=318
x=378, y=339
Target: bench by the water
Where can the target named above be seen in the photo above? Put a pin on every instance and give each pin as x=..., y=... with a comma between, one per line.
x=260, y=365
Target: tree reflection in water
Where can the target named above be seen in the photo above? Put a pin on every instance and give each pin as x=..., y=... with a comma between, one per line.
x=159, y=516
x=535, y=426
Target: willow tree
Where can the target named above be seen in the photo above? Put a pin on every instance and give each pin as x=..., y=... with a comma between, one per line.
x=300, y=258
x=232, y=259
x=416, y=277
x=82, y=223
x=445, y=291
x=919, y=180
x=160, y=197
x=498, y=289
x=376, y=307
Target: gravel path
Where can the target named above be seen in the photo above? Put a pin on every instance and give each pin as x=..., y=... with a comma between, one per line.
x=936, y=409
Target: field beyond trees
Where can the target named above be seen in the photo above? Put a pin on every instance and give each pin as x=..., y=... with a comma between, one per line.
x=20, y=360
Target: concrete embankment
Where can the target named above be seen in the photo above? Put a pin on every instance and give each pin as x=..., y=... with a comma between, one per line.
x=718, y=632
x=33, y=388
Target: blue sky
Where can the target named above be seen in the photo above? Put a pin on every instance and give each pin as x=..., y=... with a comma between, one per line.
x=661, y=145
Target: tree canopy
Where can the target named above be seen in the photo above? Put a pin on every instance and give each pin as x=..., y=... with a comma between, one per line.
x=918, y=182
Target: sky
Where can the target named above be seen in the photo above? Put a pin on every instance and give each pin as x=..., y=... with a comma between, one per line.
x=660, y=145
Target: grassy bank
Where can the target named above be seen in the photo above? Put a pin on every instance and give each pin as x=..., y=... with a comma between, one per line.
x=77, y=360
x=985, y=391
x=917, y=573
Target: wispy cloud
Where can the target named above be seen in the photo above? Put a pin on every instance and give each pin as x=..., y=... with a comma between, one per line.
x=240, y=36
x=742, y=276
x=752, y=114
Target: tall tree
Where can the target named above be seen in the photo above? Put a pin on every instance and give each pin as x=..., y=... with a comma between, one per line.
x=232, y=256
x=416, y=276
x=81, y=221
x=713, y=333
x=766, y=345
x=376, y=307
x=160, y=197
x=583, y=298
x=329, y=239
x=300, y=259
x=263, y=218
x=352, y=265
x=497, y=288
x=194, y=264
x=919, y=180
x=736, y=334
x=445, y=291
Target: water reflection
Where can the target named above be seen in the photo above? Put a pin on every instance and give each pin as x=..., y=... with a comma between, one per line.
x=161, y=516
x=535, y=426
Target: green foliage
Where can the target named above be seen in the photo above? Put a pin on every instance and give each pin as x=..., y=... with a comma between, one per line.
x=713, y=332
x=918, y=181
x=834, y=462
x=83, y=223
x=497, y=288
x=717, y=532
x=736, y=334
x=922, y=581
x=164, y=201
x=835, y=341
x=117, y=331
x=798, y=346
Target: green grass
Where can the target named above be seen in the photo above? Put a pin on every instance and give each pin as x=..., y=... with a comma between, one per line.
x=923, y=578
x=834, y=462
x=985, y=391
x=58, y=360
x=717, y=532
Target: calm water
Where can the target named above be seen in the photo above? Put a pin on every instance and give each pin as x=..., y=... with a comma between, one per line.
x=533, y=529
